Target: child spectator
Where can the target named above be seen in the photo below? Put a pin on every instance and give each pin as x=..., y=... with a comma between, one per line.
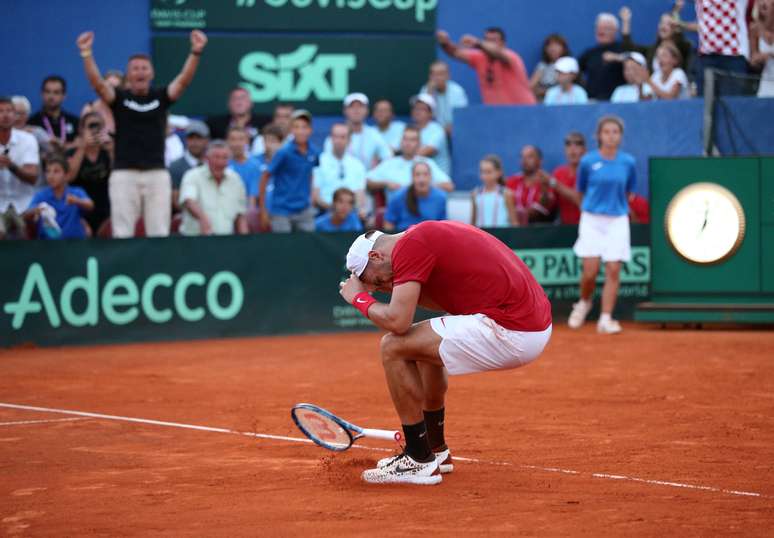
x=68, y=204
x=636, y=75
x=89, y=166
x=668, y=30
x=566, y=92
x=492, y=203
x=544, y=76
x=417, y=203
x=670, y=82
x=341, y=217
x=291, y=169
x=248, y=168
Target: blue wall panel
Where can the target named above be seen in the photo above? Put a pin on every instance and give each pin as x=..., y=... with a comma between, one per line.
x=665, y=128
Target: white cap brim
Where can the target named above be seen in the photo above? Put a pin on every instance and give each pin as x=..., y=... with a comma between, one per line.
x=357, y=257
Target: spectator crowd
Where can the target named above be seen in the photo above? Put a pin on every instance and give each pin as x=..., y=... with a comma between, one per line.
x=119, y=169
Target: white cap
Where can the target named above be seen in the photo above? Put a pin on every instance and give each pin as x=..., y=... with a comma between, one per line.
x=425, y=98
x=357, y=96
x=566, y=64
x=637, y=57
x=357, y=257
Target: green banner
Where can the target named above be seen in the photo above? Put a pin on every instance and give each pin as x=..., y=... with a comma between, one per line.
x=312, y=72
x=85, y=292
x=296, y=15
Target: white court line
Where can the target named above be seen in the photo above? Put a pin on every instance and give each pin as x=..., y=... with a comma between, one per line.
x=19, y=422
x=606, y=476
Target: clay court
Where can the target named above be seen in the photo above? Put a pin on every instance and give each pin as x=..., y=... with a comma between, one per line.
x=653, y=432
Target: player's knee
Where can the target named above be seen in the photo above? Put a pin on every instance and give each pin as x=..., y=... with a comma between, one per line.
x=390, y=347
x=613, y=272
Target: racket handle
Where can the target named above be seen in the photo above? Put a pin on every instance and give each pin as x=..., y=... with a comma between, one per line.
x=388, y=435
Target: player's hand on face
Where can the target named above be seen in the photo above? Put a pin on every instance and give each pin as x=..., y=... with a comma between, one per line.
x=351, y=287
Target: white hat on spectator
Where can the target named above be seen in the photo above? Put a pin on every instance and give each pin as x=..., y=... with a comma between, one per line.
x=357, y=257
x=637, y=57
x=356, y=96
x=425, y=98
x=566, y=64
x=199, y=128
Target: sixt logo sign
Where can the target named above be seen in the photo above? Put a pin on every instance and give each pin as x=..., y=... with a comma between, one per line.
x=296, y=76
x=420, y=7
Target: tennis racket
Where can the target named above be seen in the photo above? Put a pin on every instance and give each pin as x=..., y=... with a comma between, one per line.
x=332, y=432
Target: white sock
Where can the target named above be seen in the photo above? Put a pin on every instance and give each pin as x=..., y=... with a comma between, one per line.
x=585, y=302
x=604, y=318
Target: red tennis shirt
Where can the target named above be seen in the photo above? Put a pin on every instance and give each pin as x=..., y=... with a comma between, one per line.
x=468, y=271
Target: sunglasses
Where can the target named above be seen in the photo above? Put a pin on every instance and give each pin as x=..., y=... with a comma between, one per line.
x=574, y=143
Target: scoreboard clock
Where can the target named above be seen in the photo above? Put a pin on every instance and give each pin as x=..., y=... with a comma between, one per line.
x=712, y=240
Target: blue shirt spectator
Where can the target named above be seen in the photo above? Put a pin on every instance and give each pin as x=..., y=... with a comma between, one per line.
x=605, y=183
x=250, y=171
x=68, y=215
x=325, y=223
x=291, y=172
x=431, y=206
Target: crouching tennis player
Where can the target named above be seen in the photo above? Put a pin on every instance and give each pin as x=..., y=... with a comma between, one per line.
x=498, y=317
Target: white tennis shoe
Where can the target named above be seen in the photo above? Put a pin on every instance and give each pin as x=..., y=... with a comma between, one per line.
x=579, y=312
x=403, y=469
x=609, y=326
x=443, y=458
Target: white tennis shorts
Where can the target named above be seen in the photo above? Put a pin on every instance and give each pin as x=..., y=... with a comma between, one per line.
x=476, y=343
x=603, y=236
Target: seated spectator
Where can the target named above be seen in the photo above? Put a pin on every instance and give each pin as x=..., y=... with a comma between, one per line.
x=492, y=203
x=247, y=167
x=197, y=136
x=394, y=174
x=365, y=142
x=670, y=82
x=114, y=78
x=89, y=165
x=668, y=30
x=636, y=75
x=291, y=171
x=432, y=136
x=544, y=76
x=338, y=169
x=22, y=107
x=534, y=200
x=341, y=217
x=762, y=47
x=58, y=209
x=213, y=197
x=566, y=92
x=447, y=94
x=602, y=77
x=502, y=77
x=61, y=126
x=19, y=161
x=390, y=128
x=281, y=121
x=240, y=114
x=563, y=178
x=417, y=203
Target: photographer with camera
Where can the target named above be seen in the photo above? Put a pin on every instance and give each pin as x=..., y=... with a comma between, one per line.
x=90, y=164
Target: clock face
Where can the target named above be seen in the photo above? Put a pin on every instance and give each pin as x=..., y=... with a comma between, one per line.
x=705, y=223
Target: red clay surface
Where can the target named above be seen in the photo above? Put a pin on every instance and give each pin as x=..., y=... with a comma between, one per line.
x=675, y=406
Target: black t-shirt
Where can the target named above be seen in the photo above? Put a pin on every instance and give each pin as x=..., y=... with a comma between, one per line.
x=602, y=77
x=141, y=128
x=92, y=177
x=219, y=125
x=54, y=126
